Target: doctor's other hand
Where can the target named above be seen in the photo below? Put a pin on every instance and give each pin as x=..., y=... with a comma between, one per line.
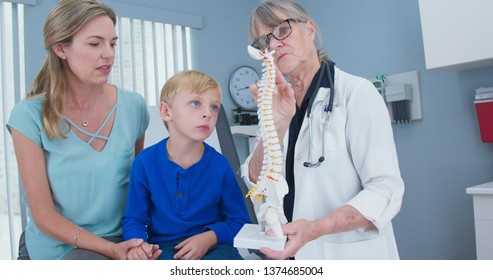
x=298, y=233
x=284, y=103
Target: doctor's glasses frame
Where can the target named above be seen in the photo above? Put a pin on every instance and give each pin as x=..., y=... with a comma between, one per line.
x=280, y=32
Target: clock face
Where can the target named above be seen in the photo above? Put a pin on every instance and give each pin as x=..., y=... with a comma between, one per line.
x=239, y=84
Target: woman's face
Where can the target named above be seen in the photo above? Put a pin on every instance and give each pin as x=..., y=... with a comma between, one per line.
x=89, y=56
x=296, y=49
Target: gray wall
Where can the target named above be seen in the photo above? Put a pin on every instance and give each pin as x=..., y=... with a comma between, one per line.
x=440, y=156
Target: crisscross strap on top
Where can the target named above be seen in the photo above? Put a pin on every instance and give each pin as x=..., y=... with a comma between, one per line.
x=93, y=135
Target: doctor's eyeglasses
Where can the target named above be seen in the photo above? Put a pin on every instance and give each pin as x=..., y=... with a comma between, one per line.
x=280, y=32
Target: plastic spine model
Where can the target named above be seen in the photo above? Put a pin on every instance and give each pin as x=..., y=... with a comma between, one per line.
x=271, y=186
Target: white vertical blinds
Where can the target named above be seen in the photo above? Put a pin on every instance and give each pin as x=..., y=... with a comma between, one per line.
x=12, y=83
x=148, y=53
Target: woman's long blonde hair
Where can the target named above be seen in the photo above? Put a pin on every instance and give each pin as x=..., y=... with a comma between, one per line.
x=62, y=23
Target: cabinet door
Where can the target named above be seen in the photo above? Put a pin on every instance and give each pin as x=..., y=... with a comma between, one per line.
x=484, y=234
x=457, y=34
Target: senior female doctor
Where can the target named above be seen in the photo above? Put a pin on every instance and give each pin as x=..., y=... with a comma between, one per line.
x=340, y=158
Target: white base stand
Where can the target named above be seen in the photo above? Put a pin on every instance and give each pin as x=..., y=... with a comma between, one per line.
x=251, y=237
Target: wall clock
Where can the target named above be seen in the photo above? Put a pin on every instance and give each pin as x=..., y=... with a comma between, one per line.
x=239, y=83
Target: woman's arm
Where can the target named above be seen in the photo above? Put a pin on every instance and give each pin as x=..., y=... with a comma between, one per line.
x=32, y=169
x=139, y=145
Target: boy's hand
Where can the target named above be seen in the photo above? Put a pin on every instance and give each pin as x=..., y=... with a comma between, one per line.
x=145, y=251
x=195, y=247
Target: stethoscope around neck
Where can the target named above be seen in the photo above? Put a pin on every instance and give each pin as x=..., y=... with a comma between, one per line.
x=327, y=108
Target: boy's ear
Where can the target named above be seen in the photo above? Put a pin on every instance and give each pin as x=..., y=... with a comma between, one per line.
x=165, y=112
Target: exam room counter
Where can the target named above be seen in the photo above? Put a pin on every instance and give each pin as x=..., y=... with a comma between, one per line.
x=483, y=219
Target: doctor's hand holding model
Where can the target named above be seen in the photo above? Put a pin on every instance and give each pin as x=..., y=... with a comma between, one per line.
x=341, y=163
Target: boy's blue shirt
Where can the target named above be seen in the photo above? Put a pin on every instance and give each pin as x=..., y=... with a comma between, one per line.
x=167, y=202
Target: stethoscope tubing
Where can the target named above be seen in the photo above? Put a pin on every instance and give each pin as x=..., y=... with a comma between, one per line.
x=327, y=108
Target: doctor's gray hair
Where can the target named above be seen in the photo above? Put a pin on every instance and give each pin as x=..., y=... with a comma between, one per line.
x=265, y=15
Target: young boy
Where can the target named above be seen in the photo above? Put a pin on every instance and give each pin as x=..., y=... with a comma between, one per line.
x=183, y=195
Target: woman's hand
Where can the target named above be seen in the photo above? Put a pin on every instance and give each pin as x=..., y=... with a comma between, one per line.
x=145, y=251
x=120, y=250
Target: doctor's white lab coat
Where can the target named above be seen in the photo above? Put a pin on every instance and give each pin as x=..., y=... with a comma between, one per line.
x=360, y=169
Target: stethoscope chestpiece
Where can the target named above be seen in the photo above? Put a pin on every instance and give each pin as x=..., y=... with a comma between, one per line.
x=317, y=164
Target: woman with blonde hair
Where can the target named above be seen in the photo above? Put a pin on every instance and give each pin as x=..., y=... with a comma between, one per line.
x=75, y=136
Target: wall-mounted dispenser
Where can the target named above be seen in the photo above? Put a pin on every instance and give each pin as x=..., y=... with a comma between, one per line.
x=402, y=95
x=483, y=102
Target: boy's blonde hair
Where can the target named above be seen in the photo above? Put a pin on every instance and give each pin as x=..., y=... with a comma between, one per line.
x=189, y=80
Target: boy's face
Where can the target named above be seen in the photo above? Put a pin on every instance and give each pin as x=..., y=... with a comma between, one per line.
x=192, y=115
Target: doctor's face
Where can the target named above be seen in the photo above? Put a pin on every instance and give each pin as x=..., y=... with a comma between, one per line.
x=293, y=41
